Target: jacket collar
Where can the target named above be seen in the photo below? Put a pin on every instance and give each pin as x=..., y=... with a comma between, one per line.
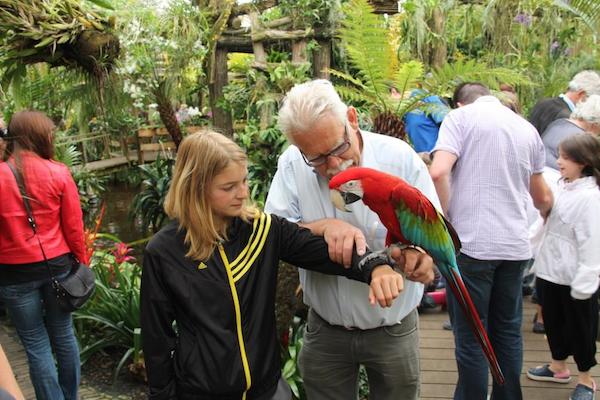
x=588, y=182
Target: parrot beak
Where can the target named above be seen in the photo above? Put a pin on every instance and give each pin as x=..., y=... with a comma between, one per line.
x=341, y=199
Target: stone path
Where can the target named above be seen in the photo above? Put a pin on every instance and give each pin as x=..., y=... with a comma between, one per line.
x=18, y=360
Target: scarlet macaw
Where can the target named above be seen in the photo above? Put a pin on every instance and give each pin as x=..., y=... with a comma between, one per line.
x=412, y=219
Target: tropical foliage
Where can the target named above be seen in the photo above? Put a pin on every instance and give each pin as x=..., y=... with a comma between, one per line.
x=66, y=32
x=148, y=203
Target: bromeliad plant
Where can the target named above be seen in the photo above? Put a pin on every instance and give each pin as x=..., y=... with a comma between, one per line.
x=111, y=320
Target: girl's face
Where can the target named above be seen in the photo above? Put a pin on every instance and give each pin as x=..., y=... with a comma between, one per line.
x=569, y=169
x=229, y=190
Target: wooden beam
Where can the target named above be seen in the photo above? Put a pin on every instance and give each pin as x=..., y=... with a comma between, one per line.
x=254, y=6
x=243, y=44
x=276, y=34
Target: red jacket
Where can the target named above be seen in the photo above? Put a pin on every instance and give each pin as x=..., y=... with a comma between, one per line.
x=56, y=208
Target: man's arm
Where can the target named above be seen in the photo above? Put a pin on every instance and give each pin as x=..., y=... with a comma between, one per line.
x=440, y=171
x=541, y=194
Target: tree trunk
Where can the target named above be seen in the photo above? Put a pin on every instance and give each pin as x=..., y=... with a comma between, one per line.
x=221, y=118
x=440, y=49
x=167, y=115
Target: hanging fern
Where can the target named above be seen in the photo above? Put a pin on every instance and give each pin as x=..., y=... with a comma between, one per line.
x=58, y=32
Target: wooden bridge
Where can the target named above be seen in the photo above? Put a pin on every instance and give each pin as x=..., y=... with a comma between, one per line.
x=101, y=153
x=438, y=367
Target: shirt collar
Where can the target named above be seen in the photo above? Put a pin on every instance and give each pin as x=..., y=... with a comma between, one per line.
x=567, y=100
x=581, y=183
x=487, y=99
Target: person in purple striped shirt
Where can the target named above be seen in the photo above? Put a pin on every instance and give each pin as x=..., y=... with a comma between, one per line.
x=487, y=161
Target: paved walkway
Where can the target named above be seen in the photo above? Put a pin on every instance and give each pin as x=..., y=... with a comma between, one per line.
x=437, y=362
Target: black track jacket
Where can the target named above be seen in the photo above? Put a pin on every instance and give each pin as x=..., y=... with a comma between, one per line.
x=226, y=342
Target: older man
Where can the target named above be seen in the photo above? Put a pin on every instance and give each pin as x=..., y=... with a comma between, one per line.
x=583, y=84
x=495, y=161
x=343, y=330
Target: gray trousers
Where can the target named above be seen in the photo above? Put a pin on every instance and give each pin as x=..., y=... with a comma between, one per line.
x=331, y=355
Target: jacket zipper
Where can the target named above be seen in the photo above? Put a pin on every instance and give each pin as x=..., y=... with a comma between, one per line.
x=238, y=321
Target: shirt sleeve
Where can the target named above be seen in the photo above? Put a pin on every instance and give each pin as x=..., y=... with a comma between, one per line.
x=450, y=138
x=300, y=247
x=587, y=231
x=71, y=218
x=282, y=199
x=539, y=155
x=158, y=337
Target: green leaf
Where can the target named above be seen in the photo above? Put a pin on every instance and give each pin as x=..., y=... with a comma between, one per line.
x=103, y=4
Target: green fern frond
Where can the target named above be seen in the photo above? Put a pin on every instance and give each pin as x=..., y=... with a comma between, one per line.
x=354, y=95
x=408, y=76
x=347, y=77
x=365, y=41
x=445, y=79
x=587, y=10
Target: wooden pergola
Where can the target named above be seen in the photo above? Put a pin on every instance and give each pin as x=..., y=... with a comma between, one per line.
x=255, y=38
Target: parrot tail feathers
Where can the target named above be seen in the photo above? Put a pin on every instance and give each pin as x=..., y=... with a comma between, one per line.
x=459, y=289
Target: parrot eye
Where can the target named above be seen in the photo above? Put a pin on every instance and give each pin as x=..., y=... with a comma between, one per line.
x=351, y=184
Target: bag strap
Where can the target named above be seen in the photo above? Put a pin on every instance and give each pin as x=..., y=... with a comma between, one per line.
x=30, y=218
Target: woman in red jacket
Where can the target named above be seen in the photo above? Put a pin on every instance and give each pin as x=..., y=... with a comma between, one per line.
x=24, y=277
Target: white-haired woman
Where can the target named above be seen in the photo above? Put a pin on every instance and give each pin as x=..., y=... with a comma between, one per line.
x=585, y=118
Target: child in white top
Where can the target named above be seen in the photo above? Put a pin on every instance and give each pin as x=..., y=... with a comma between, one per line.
x=568, y=267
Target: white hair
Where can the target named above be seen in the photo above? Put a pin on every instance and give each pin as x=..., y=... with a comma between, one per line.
x=588, y=110
x=588, y=81
x=308, y=102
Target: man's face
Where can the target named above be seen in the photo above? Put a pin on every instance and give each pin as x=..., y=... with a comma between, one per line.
x=330, y=146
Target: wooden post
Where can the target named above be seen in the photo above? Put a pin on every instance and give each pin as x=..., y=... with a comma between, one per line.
x=322, y=59
x=299, y=51
x=221, y=118
x=260, y=56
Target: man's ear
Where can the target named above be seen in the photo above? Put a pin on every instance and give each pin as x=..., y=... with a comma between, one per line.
x=581, y=96
x=352, y=117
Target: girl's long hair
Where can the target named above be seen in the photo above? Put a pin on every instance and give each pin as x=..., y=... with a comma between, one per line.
x=584, y=148
x=30, y=131
x=200, y=157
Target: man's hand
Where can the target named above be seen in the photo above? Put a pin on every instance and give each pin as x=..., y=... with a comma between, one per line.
x=341, y=238
x=417, y=266
x=386, y=285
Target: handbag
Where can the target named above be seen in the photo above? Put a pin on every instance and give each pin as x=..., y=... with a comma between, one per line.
x=75, y=289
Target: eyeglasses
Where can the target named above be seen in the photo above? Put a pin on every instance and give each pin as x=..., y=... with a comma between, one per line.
x=336, y=152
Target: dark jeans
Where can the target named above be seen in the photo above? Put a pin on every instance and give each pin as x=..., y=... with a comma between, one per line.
x=495, y=287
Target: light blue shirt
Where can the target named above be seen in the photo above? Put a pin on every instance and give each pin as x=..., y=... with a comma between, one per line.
x=567, y=100
x=497, y=152
x=299, y=194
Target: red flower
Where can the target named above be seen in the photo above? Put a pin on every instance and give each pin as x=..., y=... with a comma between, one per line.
x=121, y=252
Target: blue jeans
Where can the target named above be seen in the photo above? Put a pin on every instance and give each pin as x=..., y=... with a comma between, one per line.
x=42, y=327
x=495, y=287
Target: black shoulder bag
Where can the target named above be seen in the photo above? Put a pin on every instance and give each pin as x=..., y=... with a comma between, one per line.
x=74, y=290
